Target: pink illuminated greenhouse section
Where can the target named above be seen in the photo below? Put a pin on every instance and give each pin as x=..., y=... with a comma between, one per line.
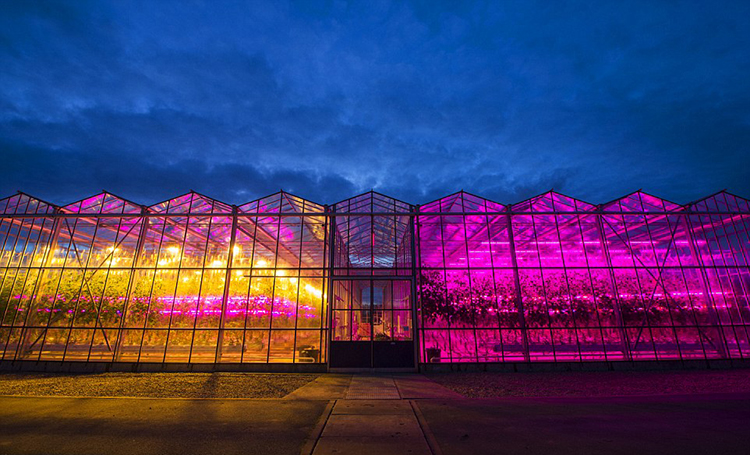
x=557, y=279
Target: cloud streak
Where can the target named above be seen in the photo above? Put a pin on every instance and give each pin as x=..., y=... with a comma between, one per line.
x=415, y=100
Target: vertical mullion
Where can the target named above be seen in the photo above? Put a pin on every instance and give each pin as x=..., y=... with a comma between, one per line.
x=47, y=254
x=517, y=285
x=415, y=335
x=567, y=279
x=448, y=328
x=200, y=286
x=715, y=316
x=614, y=287
x=591, y=286
x=273, y=287
x=745, y=257
x=151, y=297
x=19, y=266
x=299, y=284
x=330, y=253
x=326, y=274
x=104, y=290
x=43, y=337
x=470, y=278
x=250, y=283
x=640, y=287
x=544, y=286
x=659, y=278
x=142, y=233
x=491, y=251
x=25, y=329
x=418, y=312
x=227, y=285
x=684, y=279
x=179, y=276
x=84, y=283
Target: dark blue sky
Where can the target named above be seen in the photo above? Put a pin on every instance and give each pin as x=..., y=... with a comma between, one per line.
x=416, y=100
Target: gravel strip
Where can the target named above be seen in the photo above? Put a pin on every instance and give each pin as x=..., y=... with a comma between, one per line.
x=157, y=385
x=594, y=384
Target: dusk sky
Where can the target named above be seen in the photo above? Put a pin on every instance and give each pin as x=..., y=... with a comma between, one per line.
x=416, y=100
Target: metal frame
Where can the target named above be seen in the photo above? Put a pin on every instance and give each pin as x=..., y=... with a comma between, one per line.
x=685, y=266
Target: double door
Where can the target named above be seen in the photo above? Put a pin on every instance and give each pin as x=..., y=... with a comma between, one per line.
x=372, y=324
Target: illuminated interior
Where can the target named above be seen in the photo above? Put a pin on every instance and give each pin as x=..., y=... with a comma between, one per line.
x=464, y=279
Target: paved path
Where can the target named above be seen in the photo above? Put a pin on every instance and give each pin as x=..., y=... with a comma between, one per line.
x=680, y=425
x=378, y=415
x=134, y=426
x=361, y=414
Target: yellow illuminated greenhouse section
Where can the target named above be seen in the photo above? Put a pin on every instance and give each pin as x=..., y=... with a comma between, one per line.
x=188, y=280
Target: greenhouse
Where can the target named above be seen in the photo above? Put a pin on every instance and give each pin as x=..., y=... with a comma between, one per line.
x=372, y=282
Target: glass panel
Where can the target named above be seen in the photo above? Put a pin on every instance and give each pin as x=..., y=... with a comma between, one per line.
x=282, y=346
x=204, y=346
x=308, y=348
x=256, y=346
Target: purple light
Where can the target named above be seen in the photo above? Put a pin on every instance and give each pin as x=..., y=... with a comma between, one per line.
x=548, y=279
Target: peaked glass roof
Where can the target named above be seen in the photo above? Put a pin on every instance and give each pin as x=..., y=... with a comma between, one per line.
x=102, y=203
x=282, y=202
x=552, y=201
x=372, y=241
x=191, y=202
x=21, y=203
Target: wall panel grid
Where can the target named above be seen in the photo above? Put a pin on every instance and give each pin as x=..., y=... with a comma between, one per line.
x=194, y=280
x=188, y=280
x=557, y=279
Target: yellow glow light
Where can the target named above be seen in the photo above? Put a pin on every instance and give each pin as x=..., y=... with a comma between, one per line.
x=261, y=263
x=281, y=273
x=174, y=249
x=217, y=263
x=236, y=250
x=312, y=290
x=163, y=262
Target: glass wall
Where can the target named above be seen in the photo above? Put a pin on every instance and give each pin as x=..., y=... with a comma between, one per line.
x=373, y=235
x=188, y=280
x=551, y=279
x=557, y=279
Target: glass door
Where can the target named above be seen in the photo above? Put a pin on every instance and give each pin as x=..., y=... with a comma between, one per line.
x=372, y=324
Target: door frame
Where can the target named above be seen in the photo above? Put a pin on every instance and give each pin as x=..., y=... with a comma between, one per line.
x=415, y=333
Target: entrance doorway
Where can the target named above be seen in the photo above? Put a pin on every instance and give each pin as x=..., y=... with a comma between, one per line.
x=372, y=324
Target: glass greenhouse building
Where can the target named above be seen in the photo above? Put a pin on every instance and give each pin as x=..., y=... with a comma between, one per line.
x=372, y=282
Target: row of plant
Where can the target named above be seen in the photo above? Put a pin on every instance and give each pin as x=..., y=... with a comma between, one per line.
x=456, y=301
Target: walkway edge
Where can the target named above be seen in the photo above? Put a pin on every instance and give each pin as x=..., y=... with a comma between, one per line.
x=429, y=437
x=309, y=446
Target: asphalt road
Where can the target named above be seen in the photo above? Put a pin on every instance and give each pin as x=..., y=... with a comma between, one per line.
x=149, y=426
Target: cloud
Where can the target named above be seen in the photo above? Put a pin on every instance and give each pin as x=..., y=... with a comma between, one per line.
x=416, y=100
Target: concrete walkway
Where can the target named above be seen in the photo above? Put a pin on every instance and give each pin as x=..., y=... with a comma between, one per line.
x=383, y=414
x=144, y=426
x=377, y=415
x=410, y=414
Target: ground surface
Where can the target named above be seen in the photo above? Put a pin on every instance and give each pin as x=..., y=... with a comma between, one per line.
x=595, y=383
x=134, y=426
x=397, y=414
x=161, y=385
x=677, y=424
